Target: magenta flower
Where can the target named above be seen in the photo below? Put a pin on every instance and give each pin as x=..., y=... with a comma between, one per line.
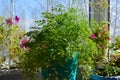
x=92, y=36
x=17, y=19
x=9, y=21
x=22, y=43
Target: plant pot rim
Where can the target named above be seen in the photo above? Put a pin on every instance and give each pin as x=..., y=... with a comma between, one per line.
x=106, y=76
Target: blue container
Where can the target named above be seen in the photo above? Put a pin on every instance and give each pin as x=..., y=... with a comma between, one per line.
x=97, y=77
x=67, y=71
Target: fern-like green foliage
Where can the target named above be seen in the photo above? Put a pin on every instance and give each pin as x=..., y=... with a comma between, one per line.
x=59, y=35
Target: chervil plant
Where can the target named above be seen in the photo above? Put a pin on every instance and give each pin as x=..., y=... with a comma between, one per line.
x=59, y=37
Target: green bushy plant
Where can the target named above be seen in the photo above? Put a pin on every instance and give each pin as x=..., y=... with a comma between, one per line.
x=59, y=35
x=110, y=68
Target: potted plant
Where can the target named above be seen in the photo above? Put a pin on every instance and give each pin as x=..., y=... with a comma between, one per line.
x=108, y=71
x=58, y=45
x=10, y=33
x=105, y=68
x=116, y=43
x=100, y=35
x=9, y=40
x=115, y=46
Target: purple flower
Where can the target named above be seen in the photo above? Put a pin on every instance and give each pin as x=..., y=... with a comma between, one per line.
x=17, y=19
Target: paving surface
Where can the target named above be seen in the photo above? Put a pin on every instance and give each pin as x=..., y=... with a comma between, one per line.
x=11, y=77
x=14, y=74
x=11, y=74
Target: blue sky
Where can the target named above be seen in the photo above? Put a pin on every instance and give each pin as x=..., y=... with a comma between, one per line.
x=27, y=10
x=19, y=5
x=26, y=6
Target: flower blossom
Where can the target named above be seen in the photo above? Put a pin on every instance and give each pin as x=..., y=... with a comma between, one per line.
x=92, y=36
x=22, y=43
x=9, y=21
x=17, y=19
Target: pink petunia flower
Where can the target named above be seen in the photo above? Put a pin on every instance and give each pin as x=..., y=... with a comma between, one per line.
x=17, y=19
x=9, y=21
x=92, y=36
x=22, y=43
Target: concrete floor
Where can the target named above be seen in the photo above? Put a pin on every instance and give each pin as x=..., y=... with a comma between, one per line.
x=12, y=77
x=14, y=74
x=11, y=74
